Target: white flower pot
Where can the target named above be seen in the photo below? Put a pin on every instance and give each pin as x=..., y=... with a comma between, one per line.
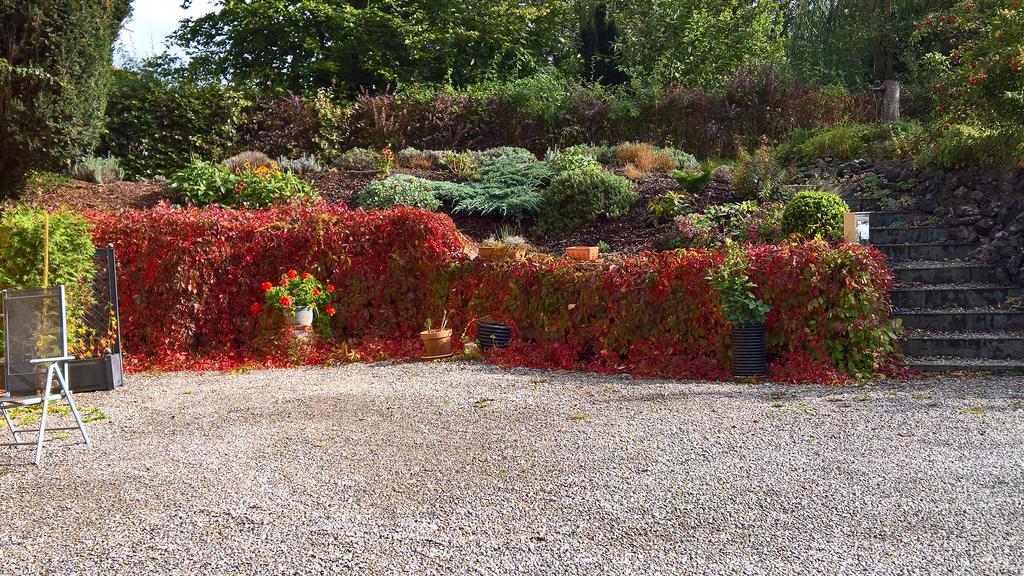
x=303, y=316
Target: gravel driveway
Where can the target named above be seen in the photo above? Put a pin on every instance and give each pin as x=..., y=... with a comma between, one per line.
x=463, y=468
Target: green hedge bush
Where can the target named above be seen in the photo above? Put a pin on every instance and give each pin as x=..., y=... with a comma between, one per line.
x=815, y=214
x=398, y=190
x=22, y=242
x=579, y=197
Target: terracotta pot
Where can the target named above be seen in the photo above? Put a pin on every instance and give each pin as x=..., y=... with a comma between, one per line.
x=582, y=253
x=436, y=342
x=500, y=252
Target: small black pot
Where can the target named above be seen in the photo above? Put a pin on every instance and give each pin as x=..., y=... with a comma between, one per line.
x=493, y=336
x=748, y=351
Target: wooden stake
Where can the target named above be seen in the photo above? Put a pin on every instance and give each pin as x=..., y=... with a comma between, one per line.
x=46, y=249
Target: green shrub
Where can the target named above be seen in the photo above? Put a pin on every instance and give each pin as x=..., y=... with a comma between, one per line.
x=358, y=159
x=731, y=280
x=398, y=190
x=98, y=170
x=694, y=181
x=518, y=155
x=203, y=183
x=758, y=176
x=252, y=158
x=506, y=187
x=304, y=164
x=962, y=144
x=843, y=142
x=815, y=215
x=684, y=160
x=22, y=241
x=55, y=68
x=579, y=197
x=572, y=158
x=671, y=204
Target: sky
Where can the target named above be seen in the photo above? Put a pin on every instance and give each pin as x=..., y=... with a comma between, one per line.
x=152, y=21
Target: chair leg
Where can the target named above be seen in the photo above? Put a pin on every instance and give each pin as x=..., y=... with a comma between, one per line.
x=10, y=426
x=62, y=380
x=42, y=417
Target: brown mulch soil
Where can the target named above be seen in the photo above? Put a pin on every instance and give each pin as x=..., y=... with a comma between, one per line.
x=77, y=196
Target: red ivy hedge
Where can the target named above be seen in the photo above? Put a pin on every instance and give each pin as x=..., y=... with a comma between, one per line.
x=189, y=276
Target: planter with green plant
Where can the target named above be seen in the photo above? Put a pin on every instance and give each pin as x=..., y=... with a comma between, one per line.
x=299, y=297
x=743, y=310
x=508, y=246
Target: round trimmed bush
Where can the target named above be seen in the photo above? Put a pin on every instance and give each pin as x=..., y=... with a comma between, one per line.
x=815, y=215
x=398, y=190
x=579, y=197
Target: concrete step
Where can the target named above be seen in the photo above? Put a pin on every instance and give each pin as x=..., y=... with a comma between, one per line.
x=987, y=345
x=913, y=234
x=954, y=364
x=934, y=272
x=985, y=320
x=928, y=251
x=953, y=296
x=888, y=219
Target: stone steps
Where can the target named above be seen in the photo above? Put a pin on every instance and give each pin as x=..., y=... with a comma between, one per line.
x=911, y=235
x=954, y=308
x=983, y=345
x=944, y=251
x=978, y=320
x=935, y=272
x=938, y=296
x=948, y=364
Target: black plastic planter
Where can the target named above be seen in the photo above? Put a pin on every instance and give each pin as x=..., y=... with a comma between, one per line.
x=493, y=335
x=748, y=351
x=92, y=374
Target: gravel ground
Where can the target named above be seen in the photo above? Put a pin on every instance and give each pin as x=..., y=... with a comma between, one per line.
x=457, y=468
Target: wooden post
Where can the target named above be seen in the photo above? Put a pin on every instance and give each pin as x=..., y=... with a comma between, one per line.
x=850, y=227
x=46, y=249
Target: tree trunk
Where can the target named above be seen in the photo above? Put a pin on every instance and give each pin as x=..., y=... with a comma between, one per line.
x=890, y=102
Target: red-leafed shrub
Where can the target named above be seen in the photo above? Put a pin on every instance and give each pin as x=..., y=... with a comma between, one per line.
x=189, y=278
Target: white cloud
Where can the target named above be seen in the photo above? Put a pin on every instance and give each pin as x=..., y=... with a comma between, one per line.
x=152, y=21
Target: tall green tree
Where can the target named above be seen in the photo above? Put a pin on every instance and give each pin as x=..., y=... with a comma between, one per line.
x=854, y=42
x=351, y=44
x=55, y=66
x=695, y=42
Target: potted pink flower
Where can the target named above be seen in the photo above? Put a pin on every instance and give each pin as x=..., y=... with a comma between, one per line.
x=300, y=297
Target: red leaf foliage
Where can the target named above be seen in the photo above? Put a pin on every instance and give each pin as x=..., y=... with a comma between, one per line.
x=188, y=278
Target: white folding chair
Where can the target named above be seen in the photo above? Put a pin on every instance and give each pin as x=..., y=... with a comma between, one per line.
x=36, y=358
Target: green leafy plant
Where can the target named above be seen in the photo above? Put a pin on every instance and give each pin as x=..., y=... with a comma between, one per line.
x=358, y=159
x=731, y=280
x=671, y=204
x=303, y=164
x=23, y=233
x=98, y=170
x=202, y=183
x=758, y=176
x=579, y=197
x=398, y=190
x=815, y=214
x=462, y=166
x=695, y=181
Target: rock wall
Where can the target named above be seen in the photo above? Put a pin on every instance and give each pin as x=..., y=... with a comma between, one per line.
x=985, y=204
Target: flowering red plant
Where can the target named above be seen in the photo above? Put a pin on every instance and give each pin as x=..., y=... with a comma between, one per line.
x=295, y=291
